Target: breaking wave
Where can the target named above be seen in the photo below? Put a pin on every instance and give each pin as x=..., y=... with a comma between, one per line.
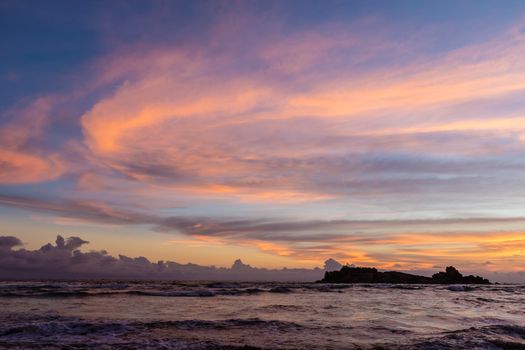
x=78, y=334
x=158, y=289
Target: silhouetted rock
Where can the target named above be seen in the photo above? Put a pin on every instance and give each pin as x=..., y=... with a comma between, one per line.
x=349, y=274
x=452, y=276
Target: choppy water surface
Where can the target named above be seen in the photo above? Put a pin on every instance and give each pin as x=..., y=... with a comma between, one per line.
x=171, y=315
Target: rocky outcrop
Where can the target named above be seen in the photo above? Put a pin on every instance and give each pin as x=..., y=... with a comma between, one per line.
x=452, y=276
x=349, y=274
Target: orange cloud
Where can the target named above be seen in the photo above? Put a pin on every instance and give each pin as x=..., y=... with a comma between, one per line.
x=21, y=161
x=18, y=167
x=208, y=127
x=415, y=251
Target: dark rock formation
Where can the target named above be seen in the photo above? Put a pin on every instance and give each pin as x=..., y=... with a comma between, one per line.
x=452, y=276
x=349, y=274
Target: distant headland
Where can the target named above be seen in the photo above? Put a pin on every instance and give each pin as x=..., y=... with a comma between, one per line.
x=348, y=274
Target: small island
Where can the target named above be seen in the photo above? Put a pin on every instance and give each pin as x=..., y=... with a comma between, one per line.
x=349, y=274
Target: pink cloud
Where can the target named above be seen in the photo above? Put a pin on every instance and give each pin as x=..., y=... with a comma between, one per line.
x=21, y=161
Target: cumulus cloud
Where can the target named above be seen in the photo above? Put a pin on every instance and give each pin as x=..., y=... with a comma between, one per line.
x=8, y=242
x=64, y=260
x=332, y=265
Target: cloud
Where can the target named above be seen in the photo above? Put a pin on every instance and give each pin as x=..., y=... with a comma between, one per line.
x=8, y=242
x=332, y=265
x=21, y=160
x=188, y=119
x=72, y=243
x=421, y=243
x=304, y=143
x=64, y=260
x=294, y=125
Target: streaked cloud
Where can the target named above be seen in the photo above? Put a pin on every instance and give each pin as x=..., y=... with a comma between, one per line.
x=382, y=243
x=354, y=138
x=191, y=120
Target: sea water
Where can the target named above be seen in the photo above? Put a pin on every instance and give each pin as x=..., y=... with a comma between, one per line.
x=214, y=315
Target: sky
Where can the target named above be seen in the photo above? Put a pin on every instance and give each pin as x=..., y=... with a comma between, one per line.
x=284, y=133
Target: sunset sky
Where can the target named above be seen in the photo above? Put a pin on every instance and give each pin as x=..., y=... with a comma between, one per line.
x=379, y=133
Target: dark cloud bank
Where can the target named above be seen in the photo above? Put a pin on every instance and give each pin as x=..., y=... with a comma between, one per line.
x=64, y=260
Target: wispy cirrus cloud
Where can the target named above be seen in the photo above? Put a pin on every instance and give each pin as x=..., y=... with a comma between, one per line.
x=192, y=120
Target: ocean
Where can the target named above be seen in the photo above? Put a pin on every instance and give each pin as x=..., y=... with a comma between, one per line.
x=218, y=315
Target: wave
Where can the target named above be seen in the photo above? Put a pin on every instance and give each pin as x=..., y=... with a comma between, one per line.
x=180, y=293
x=280, y=307
x=146, y=293
x=212, y=289
x=26, y=331
x=497, y=337
x=489, y=337
x=60, y=326
x=226, y=324
x=460, y=288
x=84, y=335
